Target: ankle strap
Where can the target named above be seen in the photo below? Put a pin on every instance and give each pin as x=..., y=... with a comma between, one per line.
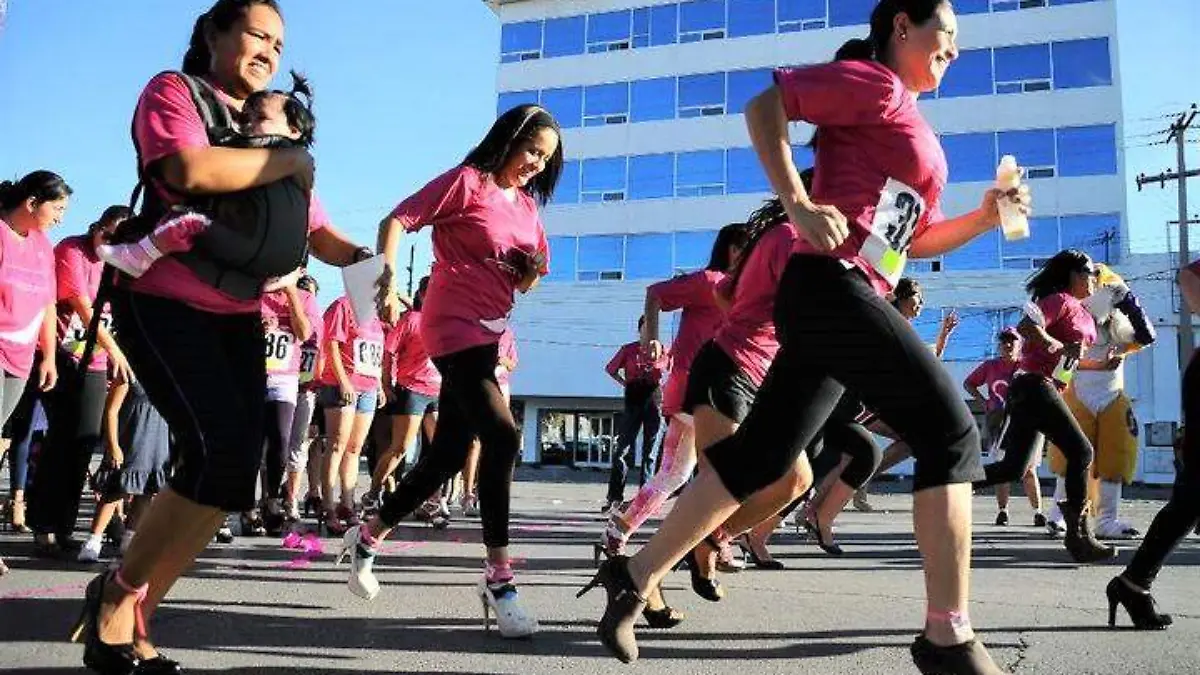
x=139, y=593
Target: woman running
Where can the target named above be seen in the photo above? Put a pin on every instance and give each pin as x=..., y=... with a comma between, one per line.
x=1055, y=332
x=28, y=209
x=488, y=242
x=197, y=349
x=1181, y=514
x=302, y=434
x=639, y=372
x=837, y=332
x=350, y=384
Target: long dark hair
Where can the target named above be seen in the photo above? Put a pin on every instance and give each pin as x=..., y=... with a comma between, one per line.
x=733, y=234
x=111, y=216
x=875, y=46
x=510, y=129
x=43, y=186
x=220, y=18
x=422, y=289
x=763, y=220
x=297, y=106
x=906, y=288
x=1055, y=275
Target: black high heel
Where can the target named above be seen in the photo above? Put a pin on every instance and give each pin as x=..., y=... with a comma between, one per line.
x=312, y=505
x=969, y=657
x=159, y=665
x=621, y=610
x=98, y=656
x=743, y=542
x=709, y=589
x=814, y=528
x=665, y=617
x=1138, y=604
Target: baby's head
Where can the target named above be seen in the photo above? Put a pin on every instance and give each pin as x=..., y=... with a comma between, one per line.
x=281, y=113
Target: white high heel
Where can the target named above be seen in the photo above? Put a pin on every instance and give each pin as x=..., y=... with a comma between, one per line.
x=511, y=618
x=362, y=581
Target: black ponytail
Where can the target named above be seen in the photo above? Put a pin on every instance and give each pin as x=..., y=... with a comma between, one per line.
x=43, y=186
x=1055, y=275
x=297, y=107
x=762, y=221
x=219, y=18
x=875, y=46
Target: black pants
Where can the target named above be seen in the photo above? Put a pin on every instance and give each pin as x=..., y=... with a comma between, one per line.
x=470, y=404
x=1036, y=409
x=836, y=333
x=75, y=413
x=641, y=413
x=1182, y=511
x=278, y=428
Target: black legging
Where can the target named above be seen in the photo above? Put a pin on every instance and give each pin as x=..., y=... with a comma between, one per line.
x=1182, y=511
x=470, y=404
x=75, y=413
x=641, y=412
x=835, y=330
x=1035, y=408
x=845, y=436
x=278, y=416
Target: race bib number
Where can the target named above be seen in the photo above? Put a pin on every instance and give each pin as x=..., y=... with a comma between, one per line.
x=279, y=350
x=1064, y=372
x=368, y=358
x=896, y=216
x=75, y=338
x=308, y=364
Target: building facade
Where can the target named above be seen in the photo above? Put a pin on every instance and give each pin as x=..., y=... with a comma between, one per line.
x=650, y=95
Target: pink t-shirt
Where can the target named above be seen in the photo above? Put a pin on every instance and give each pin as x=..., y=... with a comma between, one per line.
x=165, y=123
x=994, y=375
x=748, y=333
x=361, y=347
x=878, y=161
x=475, y=229
x=411, y=366
x=1067, y=321
x=637, y=364
x=695, y=294
x=507, y=350
x=310, y=351
x=283, y=348
x=27, y=288
x=77, y=273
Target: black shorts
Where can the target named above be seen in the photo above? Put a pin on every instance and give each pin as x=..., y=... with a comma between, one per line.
x=716, y=381
x=206, y=376
x=408, y=402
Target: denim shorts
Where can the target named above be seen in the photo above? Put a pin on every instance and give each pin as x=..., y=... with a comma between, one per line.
x=331, y=397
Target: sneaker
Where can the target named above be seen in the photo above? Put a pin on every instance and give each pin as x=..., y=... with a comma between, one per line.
x=224, y=535
x=362, y=581
x=1116, y=530
x=1039, y=520
x=1056, y=529
x=511, y=618
x=291, y=511
x=1002, y=518
x=90, y=551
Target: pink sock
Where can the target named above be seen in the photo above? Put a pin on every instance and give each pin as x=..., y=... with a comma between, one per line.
x=498, y=574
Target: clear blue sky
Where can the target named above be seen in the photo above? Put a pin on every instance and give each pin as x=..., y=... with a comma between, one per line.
x=404, y=87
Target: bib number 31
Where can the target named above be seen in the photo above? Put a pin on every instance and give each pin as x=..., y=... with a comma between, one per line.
x=896, y=216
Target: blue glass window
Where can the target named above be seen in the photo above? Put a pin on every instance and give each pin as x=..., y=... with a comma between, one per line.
x=567, y=190
x=652, y=176
x=795, y=15
x=802, y=157
x=1069, y=2
x=566, y=105
x=969, y=75
x=1087, y=151
x=601, y=257
x=850, y=12
x=745, y=85
x=520, y=40
x=1041, y=243
x=648, y=256
x=751, y=17
x=564, y=37
x=746, y=175
x=606, y=104
x=972, y=157
x=1034, y=150
x=663, y=23
x=1082, y=63
x=604, y=179
x=702, y=95
x=652, y=99
x=972, y=6
x=981, y=253
x=1015, y=65
x=701, y=173
x=562, y=258
x=608, y=31
x=693, y=249
x=507, y=100
x=1099, y=235
x=970, y=341
x=701, y=20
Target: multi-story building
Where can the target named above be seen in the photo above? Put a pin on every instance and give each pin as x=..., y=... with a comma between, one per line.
x=650, y=95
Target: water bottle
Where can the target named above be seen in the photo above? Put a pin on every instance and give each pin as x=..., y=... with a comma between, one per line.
x=1012, y=221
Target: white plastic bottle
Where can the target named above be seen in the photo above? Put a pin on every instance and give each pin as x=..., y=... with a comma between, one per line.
x=1012, y=221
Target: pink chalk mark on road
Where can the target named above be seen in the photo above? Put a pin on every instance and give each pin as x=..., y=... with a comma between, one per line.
x=45, y=592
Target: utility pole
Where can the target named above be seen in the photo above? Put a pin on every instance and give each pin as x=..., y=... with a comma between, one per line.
x=1178, y=133
x=412, y=257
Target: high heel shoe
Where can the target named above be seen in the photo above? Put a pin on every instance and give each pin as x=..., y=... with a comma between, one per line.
x=312, y=506
x=621, y=609
x=970, y=657
x=512, y=620
x=663, y=617
x=159, y=665
x=743, y=542
x=98, y=656
x=608, y=547
x=362, y=581
x=814, y=528
x=709, y=589
x=1139, y=604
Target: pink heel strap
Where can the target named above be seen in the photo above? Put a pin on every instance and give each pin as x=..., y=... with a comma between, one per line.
x=139, y=594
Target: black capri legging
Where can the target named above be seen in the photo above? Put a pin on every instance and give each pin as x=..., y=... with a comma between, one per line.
x=1035, y=408
x=836, y=333
x=470, y=404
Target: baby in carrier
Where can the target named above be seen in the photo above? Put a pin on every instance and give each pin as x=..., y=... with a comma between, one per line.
x=271, y=119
